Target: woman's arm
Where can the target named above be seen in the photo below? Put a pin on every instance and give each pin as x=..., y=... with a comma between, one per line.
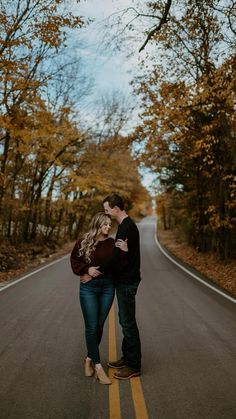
x=78, y=264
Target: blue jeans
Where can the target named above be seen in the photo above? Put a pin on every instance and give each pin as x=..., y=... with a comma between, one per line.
x=96, y=298
x=131, y=346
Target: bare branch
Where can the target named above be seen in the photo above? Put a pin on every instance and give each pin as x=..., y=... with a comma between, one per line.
x=232, y=9
x=157, y=28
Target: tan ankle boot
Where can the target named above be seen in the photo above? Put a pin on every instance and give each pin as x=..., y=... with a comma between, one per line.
x=102, y=376
x=88, y=367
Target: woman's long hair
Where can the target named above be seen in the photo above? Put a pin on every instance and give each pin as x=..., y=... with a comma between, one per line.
x=89, y=242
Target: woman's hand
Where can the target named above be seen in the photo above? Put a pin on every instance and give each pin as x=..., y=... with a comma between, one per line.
x=85, y=278
x=93, y=271
x=122, y=244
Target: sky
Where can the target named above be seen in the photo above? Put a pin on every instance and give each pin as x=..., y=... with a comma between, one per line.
x=109, y=68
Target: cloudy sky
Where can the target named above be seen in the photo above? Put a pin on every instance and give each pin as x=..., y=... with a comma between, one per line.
x=109, y=68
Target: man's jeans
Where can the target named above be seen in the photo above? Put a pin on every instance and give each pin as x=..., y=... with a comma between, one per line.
x=96, y=298
x=131, y=346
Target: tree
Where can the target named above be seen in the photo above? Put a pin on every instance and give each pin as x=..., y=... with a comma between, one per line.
x=30, y=32
x=187, y=124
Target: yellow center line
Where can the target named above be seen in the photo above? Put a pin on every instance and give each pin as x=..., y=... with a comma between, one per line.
x=114, y=394
x=138, y=399
x=135, y=382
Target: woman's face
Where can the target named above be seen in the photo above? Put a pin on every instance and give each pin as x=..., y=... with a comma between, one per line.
x=105, y=227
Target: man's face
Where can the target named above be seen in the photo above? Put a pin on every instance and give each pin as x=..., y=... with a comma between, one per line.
x=110, y=211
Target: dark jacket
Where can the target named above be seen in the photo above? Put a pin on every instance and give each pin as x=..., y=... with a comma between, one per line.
x=129, y=272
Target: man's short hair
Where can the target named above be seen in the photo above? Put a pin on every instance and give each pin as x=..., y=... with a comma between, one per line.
x=114, y=200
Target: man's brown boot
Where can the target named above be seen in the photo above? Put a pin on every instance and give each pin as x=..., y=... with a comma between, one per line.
x=126, y=373
x=117, y=364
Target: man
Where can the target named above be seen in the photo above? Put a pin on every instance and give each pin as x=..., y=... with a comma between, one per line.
x=127, y=279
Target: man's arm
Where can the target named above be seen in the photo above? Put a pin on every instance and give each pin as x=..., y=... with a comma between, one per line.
x=112, y=261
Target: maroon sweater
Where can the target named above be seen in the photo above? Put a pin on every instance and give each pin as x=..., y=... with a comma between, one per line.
x=102, y=253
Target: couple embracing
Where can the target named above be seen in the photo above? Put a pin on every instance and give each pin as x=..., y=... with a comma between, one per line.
x=106, y=265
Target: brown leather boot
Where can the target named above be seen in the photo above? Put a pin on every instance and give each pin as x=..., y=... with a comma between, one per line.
x=117, y=364
x=126, y=373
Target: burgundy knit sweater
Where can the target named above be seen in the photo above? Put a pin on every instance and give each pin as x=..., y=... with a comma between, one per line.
x=102, y=253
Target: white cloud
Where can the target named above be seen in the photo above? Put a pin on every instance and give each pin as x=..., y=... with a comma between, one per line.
x=110, y=70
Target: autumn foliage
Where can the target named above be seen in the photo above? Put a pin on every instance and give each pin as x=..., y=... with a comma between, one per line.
x=188, y=123
x=53, y=174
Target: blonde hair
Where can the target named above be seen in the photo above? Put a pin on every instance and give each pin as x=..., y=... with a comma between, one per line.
x=89, y=242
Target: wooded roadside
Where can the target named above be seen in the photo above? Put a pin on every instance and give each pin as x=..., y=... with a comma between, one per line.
x=206, y=263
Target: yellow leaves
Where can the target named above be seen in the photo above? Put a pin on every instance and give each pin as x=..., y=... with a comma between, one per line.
x=28, y=32
x=2, y=178
x=217, y=220
x=48, y=162
x=51, y=29
x=108, y=168
x=188, y=138
x=217, y=223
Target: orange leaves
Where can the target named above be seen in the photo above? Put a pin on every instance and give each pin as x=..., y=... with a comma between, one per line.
x=208, y=264
x=29, y=30
x=188, y=132
x=52, y=171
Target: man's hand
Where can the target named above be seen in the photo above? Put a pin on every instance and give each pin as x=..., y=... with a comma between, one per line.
x=85, y=278
x=122, y=244
x=94, y=272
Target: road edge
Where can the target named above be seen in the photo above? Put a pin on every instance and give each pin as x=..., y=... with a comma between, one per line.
x=16, y=281
x=205, y=281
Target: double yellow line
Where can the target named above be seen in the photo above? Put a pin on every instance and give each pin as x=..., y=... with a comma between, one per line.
x=135, y=383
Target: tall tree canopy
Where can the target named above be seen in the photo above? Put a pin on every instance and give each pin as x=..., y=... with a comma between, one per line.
x=53, y=173
x=187, y=124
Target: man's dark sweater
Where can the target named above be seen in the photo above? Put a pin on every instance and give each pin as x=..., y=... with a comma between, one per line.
x=130, y=272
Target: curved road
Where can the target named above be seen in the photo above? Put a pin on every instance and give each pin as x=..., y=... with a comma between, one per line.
x=188, y=335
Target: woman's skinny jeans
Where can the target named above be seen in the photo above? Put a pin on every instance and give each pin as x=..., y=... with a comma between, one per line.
x=96, y=298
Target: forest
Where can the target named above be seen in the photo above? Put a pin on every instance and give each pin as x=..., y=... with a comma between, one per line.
x=188, y=120
x=55, y=170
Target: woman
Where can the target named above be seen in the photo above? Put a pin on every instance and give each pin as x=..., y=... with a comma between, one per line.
x=96, y=288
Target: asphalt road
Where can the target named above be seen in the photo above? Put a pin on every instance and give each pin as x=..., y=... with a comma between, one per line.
x=188, y=335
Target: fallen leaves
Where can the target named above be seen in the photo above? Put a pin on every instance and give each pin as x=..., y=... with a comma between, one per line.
x=206, y=263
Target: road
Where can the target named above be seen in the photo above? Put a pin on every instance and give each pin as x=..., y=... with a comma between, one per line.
x=188, y=335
